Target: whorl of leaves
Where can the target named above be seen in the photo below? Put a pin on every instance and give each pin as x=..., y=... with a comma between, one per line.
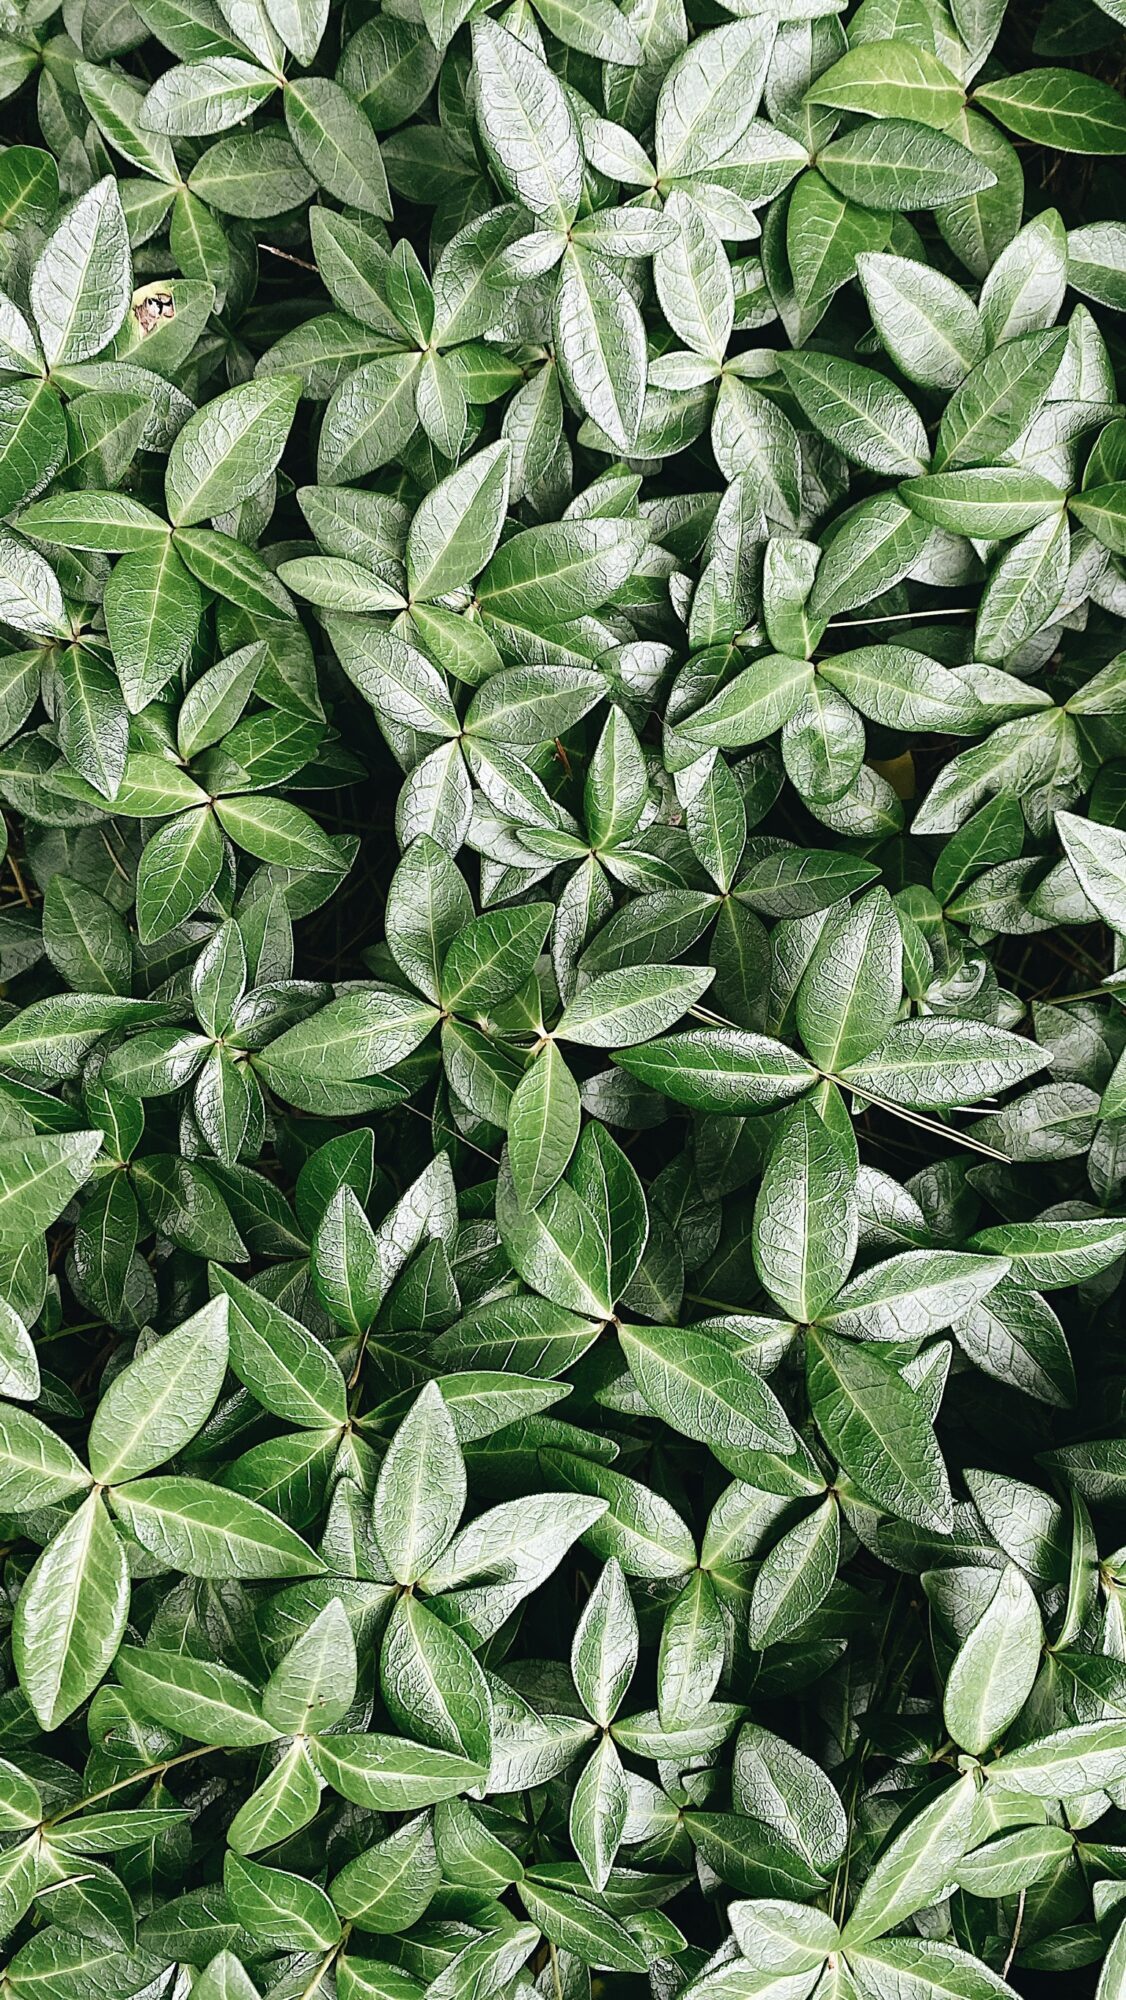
x=563, y=1052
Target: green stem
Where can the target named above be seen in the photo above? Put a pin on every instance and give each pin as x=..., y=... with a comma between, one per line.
x=123, y=1784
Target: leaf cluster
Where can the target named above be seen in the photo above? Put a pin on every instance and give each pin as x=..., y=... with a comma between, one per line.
x=563, y=955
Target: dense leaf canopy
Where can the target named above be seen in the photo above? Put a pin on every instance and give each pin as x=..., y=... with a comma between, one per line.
x=562, y=1038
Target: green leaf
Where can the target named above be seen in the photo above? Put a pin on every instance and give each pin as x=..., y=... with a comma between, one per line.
x=632, y=1004
x=198, y=98
x=389, y=1774
x=85, y=938
x=21, y=1872
x=70, y=1615
x=876, y=544
x=314, y=1685
x=203, y=1530
x=895, y=164
x=284, y=1803
x=1064, y=1763
x=38, y=1176
x=1014, y=1858
x=179, y=867
x=828, y=239
x=783, y=1937
x=709, y=95
x=636, y=1526
x=282, y=1364
x=1060, y=108
x=1097, y=853
x=93, y=722
x=891, y=80
x=751, y=435
x=915, y=1864
x=543, y=1126
x=345, y=1264
x=428, y=904
x=913, y=1295
x=490, y=959
x=753, y=705
x=693, y=279
x=790, y=1794
x=934, y=1064
x=931, y=1967
x=795, y=1576
x=468, y=1852
x=751, y=1857
x=901, y=689
x=691, y=1655
x=280, y=1910
x=850, y=992
x=20, y=1801
x=388, y=1888
x=879, y=1429
x=990, y=502
x=805, y=1220
x=701, y=1386
x=153, y=606
x=158, y=1402
x=370, y=417
x=434, y=1690
x=579, y=1927
x=82, y=280
x=199, y=1698
x=558, y=1247
x=360, y=1033
x=995, y=1667
x=998, y=399
x=30, y=598
x=930, y=328
x=1024, y=589
x=720, y=1069
x=300, y=23
x=1026, y=285
x=276, y=831
x=228, y=448
x=29, y=186
x=599, y=1807
x=1093, y=261
x=36, y=1467
x=1102, y=509
x=526, y=124
x=420, y=1492
x=20, y=1377
x=1050, y=1254
x=559, y=570
x=600, y=345
x=528, y=705
x=456, y=529
x=605, y=1646
x=860, y=412
x=336, y=143
x=33, y=440
x=597, y=30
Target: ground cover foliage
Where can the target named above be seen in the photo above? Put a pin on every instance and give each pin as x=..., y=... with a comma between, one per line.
x=562, y=1061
